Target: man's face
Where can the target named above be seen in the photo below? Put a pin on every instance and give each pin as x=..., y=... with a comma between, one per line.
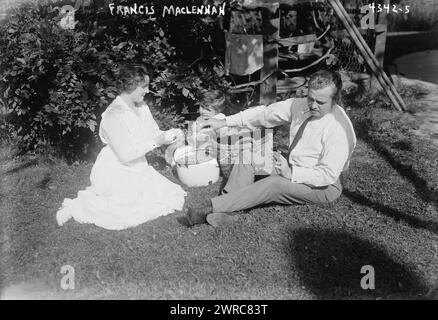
x=320, y=101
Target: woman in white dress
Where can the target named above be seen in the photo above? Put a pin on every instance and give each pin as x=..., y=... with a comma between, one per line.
x=125, y=190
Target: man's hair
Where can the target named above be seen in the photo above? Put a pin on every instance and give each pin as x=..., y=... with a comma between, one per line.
x=325, y=78
x=129, y=77
x=213, y=100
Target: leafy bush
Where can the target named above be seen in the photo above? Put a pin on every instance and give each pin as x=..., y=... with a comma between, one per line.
x=56, y=83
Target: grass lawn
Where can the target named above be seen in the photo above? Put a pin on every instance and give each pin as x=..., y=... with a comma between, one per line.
x=387, y=217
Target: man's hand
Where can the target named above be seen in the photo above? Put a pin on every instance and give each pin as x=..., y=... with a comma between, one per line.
x=210, y=123
x=281, y=166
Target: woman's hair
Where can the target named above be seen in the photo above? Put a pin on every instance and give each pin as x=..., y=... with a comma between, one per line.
x=325, y=78
x=130, y=77
x=213, y=100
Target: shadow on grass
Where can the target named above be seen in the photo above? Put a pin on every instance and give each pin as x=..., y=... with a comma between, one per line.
x=405, y=170
x=414, y=222
x=22, y=166
x=44, y=182
x=158, y=162
x=184, y=222
x=329, y=263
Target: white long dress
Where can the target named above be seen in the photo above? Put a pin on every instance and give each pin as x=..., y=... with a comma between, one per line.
x=125, y=190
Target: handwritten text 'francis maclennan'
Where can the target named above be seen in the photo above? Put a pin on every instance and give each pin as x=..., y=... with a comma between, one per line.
x=136, y=9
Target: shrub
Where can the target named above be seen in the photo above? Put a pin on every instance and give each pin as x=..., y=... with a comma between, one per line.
x=56, y=83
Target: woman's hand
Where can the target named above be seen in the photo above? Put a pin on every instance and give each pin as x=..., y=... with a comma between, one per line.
x=170, y=150
x=210, y=123
x=169, y=136
x=160, y=139
x=281, y=166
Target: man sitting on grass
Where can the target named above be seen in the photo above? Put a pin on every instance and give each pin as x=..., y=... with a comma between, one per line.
x=322, y=140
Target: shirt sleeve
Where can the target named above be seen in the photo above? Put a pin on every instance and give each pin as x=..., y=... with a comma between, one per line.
x=334, y=156
x=220, y=116
x=120, y=140
x=276, y=114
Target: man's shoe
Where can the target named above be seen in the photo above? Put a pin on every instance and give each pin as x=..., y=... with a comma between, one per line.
x=220, y=219
x=197, y=215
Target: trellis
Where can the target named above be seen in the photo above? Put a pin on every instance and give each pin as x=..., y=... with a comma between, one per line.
x=351, y=43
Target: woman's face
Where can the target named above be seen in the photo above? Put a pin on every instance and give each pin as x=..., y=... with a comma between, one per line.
x=137, y=96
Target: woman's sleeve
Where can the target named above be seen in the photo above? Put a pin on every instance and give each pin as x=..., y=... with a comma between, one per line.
x=122, y=142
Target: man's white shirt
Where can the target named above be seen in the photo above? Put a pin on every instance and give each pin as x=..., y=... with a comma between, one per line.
x=323, y=151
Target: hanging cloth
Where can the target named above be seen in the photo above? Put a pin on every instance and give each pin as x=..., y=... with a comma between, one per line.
x=243, y=53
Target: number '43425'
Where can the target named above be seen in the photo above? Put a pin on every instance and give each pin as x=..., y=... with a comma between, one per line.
x=393, y=8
